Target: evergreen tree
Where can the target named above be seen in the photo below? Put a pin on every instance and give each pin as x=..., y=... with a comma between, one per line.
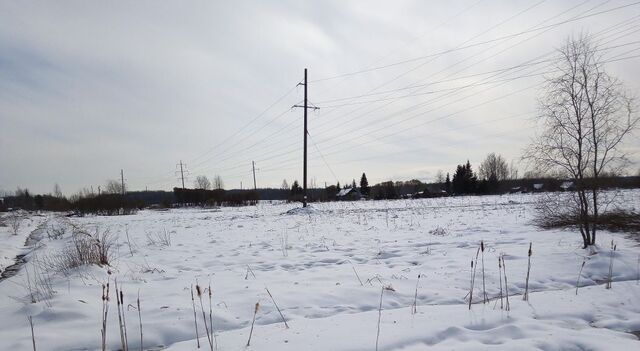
x=353, y=184
x=447, y=184
x=338, y=186
x=364, y=185
x=464, y=180
x=295, y=188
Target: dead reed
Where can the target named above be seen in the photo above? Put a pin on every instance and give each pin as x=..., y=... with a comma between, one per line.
x=277, y=308
x=485, y=298
x=105, y=313
x=390, y=288
x=140, y=320
x=584, y=260
x=33, y=337
x=204, y=317
x=611, y=254
x=414, y=306
x=525, y=297
x=195, y=317
x=506, y=284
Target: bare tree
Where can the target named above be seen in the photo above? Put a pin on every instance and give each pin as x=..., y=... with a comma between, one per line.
x=440, y=178
x=285, y=185
x=113, y=187
x=202, y=182
x=218, y=184
x=584, y=115
x=494, y=167
x=513, y=170
x=56, y=191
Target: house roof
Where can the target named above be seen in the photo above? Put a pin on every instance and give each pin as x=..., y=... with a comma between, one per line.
x=345, y=192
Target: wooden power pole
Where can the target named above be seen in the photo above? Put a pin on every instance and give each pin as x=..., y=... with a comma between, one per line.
x=305, y=107
x=182, y=174
x=253, y=167
x=122, y=180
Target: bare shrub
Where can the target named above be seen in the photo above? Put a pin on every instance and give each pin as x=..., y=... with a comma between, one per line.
x=159, y=239
x=439, y=231
x=55, y=232
x=39, y=283
x=85, y=248
x=15, y=222
x=563, y=211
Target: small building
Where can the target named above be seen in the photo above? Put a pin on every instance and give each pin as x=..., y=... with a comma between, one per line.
x=538, y=187
x=348, y=194
x=567, y=186
x=429, y=193
x=516, y=190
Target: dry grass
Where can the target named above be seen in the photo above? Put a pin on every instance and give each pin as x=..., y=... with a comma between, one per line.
x=614, y=221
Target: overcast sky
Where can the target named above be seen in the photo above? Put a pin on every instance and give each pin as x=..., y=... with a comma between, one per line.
x=91, y=87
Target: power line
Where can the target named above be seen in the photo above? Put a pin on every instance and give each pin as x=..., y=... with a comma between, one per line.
x=476, y=44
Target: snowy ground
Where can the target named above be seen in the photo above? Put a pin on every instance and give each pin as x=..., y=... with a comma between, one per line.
x=308, y=260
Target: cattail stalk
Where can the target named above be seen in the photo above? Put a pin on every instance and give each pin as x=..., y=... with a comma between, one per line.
x=584, y=260
x=638, y=270
x=277, y=308
x=120, y=312
x=124, y=320
x=414, y=307
x=471, y=285
x=525, y=297
x=213, y=333
x=255, y=312
x=379, y=317
x=610, y=279
x=105, y=313
x=195, y=317
x=33, y=337
x=506, y=284
x=140, y=319
x=484, y=289
x=473, y=276
x=500, y=279
x=204, y=317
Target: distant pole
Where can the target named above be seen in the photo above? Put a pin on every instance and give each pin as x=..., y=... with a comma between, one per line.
x=122, y=179
x=253, y=167
x=240, y=185
x=182, y=174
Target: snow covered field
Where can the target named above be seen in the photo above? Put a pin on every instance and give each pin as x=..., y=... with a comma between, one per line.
x=326, y=269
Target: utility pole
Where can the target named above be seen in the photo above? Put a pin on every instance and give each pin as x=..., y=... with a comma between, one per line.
x=182, y=174
x=304, y=162
x=253, y=166
x=122, y=179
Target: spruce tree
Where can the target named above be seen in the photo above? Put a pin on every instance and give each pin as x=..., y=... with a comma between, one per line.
x=447, y=184
x=364, y=185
